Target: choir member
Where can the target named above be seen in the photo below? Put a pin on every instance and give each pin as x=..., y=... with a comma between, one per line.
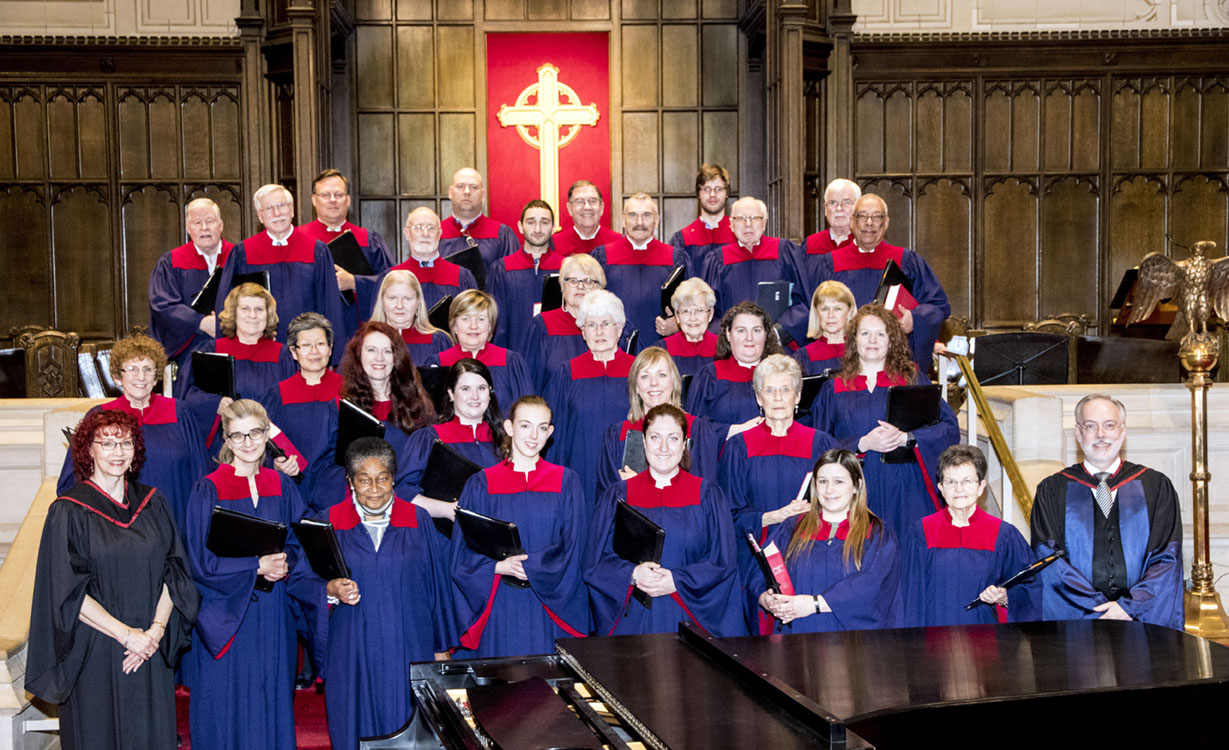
x=244, y=646
x=331, y=199
x=697, y=577
x=470, y=424
x=722, y=391
x=711, y=231
x=585, y=206
x=554, y=337
x=638, y=264
x=548, y=506
x=175, y=450
x=839, y=198
x=472, y=318
x=468, y=227
x=515, y=281
x=300, y=267
x=394, y=609
x=831, y=305
x=179, y=275
x=439, y=277
x=400, y=304
x=959, y=553
x=841, y=558
x=852, y=407
x=694, y=346
x=113, y=600
x=589, y=392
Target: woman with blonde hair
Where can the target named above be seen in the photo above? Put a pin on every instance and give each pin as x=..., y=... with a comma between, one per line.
x=399, y=303
x=831, y=305
x=472, y=318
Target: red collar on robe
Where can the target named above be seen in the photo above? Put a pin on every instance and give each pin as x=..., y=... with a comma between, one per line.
x=523, y=261
x=585, y=366
x=317, y=229
x=569, y=241
x=232, y=487
x=682, y=491
x=698, y=233
x=559, y=322
x=412, y=335
x=441, y=272
x=769, y=248
x=850, y=258
x=453, y=431
x=295, y=390
x=300, y=247
x=489, y=355
x=638, y=426
x=842, y=530
x=678, y=345
x=941, y=533
x=91, y=497
x=381, y=409
x=344, y=516
x=821, y=243
x=186, y=258
x=859, y=383
x=729, y=370
x=821, y=349
x=161, y=410
x=1079, y=474
x=481, y=228
x=265, y=350
x=621, y=253
x=795, y=443
x=502, y=479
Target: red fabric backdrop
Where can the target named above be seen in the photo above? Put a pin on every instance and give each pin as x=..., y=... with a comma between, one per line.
x=512, y=62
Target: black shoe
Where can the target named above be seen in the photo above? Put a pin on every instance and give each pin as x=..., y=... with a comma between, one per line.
x=305, y=679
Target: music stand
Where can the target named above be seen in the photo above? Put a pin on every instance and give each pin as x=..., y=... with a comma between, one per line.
x=1022, y=358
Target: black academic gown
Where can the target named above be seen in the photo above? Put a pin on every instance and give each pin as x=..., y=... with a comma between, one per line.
x=120, y=556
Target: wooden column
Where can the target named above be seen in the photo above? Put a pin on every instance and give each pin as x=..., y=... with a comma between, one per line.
x=257, y=125
x=302, y=15
x=838, y=157
x=786, y=29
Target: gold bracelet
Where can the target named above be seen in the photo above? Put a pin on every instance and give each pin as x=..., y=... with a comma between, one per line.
x=159, y=624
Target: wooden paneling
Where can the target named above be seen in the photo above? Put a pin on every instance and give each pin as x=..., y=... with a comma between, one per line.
x=84, y=276
x=26, y=297
x=151, y=225
x=1011, y=208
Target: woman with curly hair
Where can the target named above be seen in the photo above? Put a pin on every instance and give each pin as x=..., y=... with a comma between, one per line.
x=722, y=390
x=853, y=406
x=399, y=303
x=113, y=600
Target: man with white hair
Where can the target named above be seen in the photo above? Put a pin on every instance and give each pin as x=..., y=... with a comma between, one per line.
x=839, y=199
x=439, y=277
x=301, y=275
x=179, y=275
x=1119, y=524
x=469, y=227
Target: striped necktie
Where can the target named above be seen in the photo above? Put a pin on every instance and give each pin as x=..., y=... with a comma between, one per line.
x=1105, y=499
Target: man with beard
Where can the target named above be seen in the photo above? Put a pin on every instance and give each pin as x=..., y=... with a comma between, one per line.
x=515, y=281
x=712, y=230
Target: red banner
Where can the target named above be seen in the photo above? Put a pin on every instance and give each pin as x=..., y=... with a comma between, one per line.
x=548, y=119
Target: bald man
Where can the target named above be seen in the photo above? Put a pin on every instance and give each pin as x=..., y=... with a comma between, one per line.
x=468, y=226
x=438, y=277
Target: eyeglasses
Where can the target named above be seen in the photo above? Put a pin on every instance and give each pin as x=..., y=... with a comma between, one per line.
x=423, y=228
x=873, y=218
x=331, y=196
x=843, y=203
x=312, y=346
x=1109, y=428
x=366, y=482
x=748, y=219
x=198, y=223
x=693, y=312
x=599, y=325
x=960, y=484
x=253, y=435
x=110, y=445
x=134, y=370
x=586, y=283
x=277, y=208
x=714, y=189
x=586, y=202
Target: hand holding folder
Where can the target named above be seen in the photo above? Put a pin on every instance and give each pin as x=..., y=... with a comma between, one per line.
x=319, y=542
x=637, y=539
x=1027, y=574
x=235, y=534
x=492, y=538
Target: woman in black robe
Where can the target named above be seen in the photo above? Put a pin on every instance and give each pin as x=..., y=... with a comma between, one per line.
x=113, y=600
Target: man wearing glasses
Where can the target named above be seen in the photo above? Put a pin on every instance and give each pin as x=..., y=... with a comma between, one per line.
x=585, y=206
x=468, y=226
x=1118, y=523
x=300, y=267
x=839, y=199
x=437, y=276
x=707, y=234
x=860, y=265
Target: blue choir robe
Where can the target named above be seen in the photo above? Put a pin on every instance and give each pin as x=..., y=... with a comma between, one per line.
x=438, y=279
x=403, y=615
x=568, y=241
x=866, y=598
x=821, y=243
x=509, y=373
x=586, y=396
x=472, y=442
x=689, y=357
x=946, y=567
x=636, y=276
x=494, y=239
x=698, y=551
x=175, y=454
x=762, y=472
x=515, y=281
x=724, y=393
x=704, y=436
x=328, y=479
x=734, y=273
x=258, y=367
x=378, y=257
x=551, y=514
x=1133, y=557
x=301, y=278
x=862, y=272
x=177, y=277
x=699, y=241
x=244, y=646
x=552, y=340
x=900, y=494
x=307, y=416
x=819, y=355
x=424, y=346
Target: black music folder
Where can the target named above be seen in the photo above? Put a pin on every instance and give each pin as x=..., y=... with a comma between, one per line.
x=435, y=383
x=668, y=289
x=810, y=390
x=1028, y=573
x=214, y=372
x=353, y=423
x=633, y=452
x=895, y=289
x=552, y=292
x=687, y=385
x=348, y=254
x=446, y=472
x=910, y=407
x=492, y=538
x=319, y=542
x=637, y=539
x=471, y=258
x=206, y=300
x=234, y=534
x=274, y=451
x=770, y=580
x=774, y=297
x=438, y=314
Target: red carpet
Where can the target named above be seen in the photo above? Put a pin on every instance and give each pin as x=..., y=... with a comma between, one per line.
x=311, y=728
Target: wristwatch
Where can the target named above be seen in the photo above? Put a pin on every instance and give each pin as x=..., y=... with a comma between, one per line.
x=815, y=600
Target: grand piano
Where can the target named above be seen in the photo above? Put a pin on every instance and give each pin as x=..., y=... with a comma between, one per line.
x=1030, y=685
